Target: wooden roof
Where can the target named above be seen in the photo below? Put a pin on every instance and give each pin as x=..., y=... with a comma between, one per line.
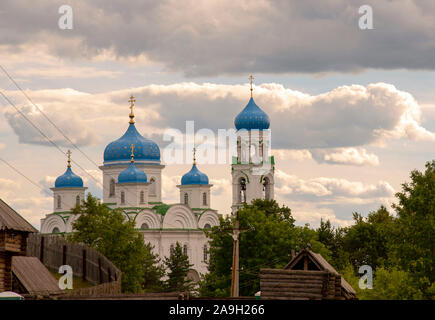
x=33, y=275
x=12, y=220
x=321, y=264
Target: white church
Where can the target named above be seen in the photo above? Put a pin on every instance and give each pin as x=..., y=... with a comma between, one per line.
x=132, y=181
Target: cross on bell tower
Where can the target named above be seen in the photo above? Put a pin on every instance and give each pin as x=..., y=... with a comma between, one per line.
x=251, y=81
x=132, y=101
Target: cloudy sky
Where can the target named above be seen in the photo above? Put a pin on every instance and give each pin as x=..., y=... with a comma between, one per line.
x=352, y=111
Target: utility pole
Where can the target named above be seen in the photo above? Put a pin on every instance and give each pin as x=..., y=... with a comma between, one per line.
x=235, y=268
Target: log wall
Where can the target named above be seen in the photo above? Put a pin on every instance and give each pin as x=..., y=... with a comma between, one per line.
x=279, y=284
x=5, y=271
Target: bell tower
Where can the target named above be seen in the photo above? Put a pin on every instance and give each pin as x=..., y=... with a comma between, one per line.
x=253, y=168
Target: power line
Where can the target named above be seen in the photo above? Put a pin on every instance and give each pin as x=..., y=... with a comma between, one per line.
x=45, y=116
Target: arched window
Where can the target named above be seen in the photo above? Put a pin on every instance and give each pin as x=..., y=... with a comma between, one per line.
x=144, y=226
x=77, y=200
x=204, y=199
x=122, y=197
x=152, y=187
x=205, y=252
x=185, y=249
x=266, y=188
x=59, y=202
x=186, y=198
x=55, y=230
x=142, y=197
x=112, y=188
x=171, y=249
x=207, y=226
x=242, y=190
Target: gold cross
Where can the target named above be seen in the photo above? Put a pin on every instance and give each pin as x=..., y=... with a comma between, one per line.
x=132, y=152
x=251, y=80
x=69, y=158
x=194, y=155
x=132, y=101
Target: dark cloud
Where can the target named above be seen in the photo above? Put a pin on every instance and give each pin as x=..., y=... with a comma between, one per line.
x=225, y=37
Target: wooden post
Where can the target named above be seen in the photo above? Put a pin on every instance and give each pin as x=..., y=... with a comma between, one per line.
x=41, y=250
x=235, y=268
x=64, y=249
x=100, y=271
x=84, y=264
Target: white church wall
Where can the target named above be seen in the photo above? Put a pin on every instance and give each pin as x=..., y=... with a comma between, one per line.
x=179, y=216
x=194, y=239
x=68, y=198
x=195, y=195
x=150, y=218
x=50, y=222
x=131, y=197
x=209, y=217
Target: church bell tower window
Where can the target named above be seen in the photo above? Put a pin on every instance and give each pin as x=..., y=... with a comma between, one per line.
x=242, y=190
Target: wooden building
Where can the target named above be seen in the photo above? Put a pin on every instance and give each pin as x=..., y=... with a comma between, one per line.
x=14, y=230
x=308, y=276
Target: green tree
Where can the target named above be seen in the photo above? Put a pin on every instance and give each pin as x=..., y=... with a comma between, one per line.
x=153, y=271
x=388, y=284
x=368, y=240
x=413, y=246
x=178, y=265
x=267, y=241
x=116, y=238
x=332, y=238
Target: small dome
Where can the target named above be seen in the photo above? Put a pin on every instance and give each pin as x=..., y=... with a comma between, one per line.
x=119, y=150
x=194, y=176
x=252, y=117
x=132, y=175
x=68, y=180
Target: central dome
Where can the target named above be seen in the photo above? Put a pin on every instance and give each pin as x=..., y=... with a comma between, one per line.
x=252, y=117
x=144, y=149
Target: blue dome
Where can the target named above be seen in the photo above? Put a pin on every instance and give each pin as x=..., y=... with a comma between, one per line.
x=68, y=180
x=132, y=175
x=194, y=176
x=120, y=150
x=252, y=117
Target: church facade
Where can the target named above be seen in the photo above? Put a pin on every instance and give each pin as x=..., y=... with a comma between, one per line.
x=132, y=180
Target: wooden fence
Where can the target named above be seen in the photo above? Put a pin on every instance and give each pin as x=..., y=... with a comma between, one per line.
x=86, y=263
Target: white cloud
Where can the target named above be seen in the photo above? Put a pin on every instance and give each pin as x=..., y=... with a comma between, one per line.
x=290, y=185
x=348, y=116
x=170, y=194
x=346, y=156
x=70, y=124
x=7, y=187
x=221, y=187
x=298, y=155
